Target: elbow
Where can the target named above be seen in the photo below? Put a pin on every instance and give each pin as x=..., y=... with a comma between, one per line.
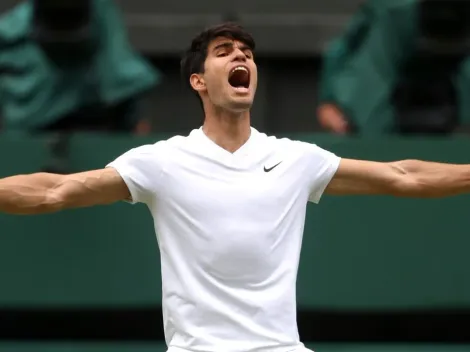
x=412, y=186
x=54, y=201
x=405, y=182
x=411, y=181
x=406, y=186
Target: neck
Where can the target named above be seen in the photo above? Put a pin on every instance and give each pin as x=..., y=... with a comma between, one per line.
x=226, y=129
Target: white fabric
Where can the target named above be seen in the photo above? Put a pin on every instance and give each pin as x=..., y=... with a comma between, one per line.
x=229, y=234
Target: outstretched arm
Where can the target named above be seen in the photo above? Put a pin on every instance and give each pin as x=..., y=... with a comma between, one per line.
x=46, y=193
x=406, y=178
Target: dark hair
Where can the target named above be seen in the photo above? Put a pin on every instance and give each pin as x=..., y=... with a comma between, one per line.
x=194, y=58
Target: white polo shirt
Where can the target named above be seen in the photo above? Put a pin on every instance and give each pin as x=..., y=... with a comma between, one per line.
x=229, y=228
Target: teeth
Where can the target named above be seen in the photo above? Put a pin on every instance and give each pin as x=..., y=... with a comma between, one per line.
x=240, y=68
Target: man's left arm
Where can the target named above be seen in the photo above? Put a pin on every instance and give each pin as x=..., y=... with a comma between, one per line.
x=406, y=178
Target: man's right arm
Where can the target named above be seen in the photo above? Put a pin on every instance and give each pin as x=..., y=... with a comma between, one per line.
x=46, y=193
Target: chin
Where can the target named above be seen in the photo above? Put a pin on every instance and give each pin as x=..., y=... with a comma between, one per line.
x=240, y=102
x=240, y=105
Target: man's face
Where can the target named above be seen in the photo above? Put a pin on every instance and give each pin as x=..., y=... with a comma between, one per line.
x=230, y=77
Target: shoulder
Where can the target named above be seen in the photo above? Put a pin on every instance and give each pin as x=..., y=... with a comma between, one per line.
x=302, y=153
x=15, y=23
x=149, y=149
x=164, y=145
x=290, y=145
x=165, y=149
x=178, y=141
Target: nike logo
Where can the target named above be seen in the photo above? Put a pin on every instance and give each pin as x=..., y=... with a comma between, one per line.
x=267, y=170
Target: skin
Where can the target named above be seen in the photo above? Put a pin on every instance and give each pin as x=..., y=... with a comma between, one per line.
x=227, y=112
x=227, y=123
x=332, y=119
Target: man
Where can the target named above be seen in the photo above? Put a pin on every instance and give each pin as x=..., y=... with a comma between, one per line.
x=229, y=205
x=62, y=71
x=400, y=67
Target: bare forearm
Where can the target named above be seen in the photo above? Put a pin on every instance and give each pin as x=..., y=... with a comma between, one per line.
x=29, y=194
x=406, y=178
x=429, y=179
x=46, y=193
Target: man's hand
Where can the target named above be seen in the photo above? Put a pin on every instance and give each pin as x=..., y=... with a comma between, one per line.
x=45, y=193
x=143, y=128
x=332, y=119
x=407, y=178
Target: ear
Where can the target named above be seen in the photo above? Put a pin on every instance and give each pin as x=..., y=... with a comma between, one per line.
x=197, y=82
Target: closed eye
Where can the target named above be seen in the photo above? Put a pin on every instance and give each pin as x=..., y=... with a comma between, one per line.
x=248, y=52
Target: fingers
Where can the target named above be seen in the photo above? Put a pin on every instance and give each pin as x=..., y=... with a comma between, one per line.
x=332, y=119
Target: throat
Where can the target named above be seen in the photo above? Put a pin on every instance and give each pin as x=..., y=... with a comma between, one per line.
x=224, y=129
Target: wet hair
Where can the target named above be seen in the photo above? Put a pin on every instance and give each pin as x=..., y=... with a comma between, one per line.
x=195, y=56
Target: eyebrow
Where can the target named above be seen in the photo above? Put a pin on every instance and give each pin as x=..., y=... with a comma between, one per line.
x=243, y=47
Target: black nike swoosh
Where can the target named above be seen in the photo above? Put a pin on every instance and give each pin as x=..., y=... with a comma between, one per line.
x=267, y=170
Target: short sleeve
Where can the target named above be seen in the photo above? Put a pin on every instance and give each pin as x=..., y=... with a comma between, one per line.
x=141, y=169
x=321, y=165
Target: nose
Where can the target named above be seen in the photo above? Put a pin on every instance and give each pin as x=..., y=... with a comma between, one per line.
x=239, y=55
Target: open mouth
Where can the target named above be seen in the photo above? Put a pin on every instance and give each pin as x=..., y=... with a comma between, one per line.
x=239, y=78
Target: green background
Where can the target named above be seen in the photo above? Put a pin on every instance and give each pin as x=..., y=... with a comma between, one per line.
x=358, y=252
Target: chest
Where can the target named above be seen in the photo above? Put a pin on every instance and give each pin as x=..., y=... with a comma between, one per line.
x=249, y=215
x=263, y=188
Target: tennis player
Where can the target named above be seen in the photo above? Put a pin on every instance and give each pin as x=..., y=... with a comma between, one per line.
x=229, y=205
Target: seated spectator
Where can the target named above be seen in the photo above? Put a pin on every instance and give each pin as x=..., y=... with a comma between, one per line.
x=401, y=66
x=67, y=66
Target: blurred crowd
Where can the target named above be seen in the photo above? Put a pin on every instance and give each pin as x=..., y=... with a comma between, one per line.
x=68, y=66
x=399, y=66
